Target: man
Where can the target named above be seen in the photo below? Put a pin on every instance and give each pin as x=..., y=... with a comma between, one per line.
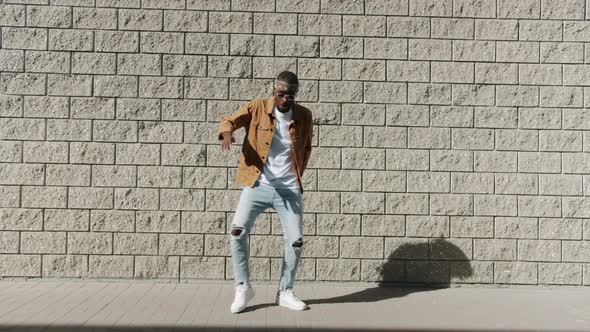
x=274, y=155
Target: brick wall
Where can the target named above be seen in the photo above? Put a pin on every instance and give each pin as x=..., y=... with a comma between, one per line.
x=452, y=142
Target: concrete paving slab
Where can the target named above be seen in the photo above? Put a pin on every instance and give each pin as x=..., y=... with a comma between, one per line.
x=132, y=306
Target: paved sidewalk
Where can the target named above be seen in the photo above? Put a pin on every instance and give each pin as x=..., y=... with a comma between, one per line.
x=91, y=305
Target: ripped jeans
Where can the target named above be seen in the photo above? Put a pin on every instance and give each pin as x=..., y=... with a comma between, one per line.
x=254, y=200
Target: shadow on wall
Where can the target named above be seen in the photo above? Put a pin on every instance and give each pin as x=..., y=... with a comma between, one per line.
x=412, y=267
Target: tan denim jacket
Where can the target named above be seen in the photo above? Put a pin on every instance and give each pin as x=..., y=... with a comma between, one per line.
x=258, y=120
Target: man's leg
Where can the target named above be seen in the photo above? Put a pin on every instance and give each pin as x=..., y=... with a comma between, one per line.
x=253, y=201
x=288, y=204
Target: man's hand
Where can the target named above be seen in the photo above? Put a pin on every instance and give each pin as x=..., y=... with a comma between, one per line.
x=228, y=139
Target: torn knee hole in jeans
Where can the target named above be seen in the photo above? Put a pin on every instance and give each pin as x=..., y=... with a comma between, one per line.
x=236, y=231
x=298, y=243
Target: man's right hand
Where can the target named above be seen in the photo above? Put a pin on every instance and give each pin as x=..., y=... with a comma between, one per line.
x=228, y=139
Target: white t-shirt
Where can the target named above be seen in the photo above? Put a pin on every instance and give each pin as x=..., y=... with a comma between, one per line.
x=278, y=170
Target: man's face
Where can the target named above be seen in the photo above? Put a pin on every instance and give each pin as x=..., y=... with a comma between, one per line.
x=284, y=95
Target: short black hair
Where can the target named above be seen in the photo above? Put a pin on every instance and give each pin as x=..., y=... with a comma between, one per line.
x=289, y=77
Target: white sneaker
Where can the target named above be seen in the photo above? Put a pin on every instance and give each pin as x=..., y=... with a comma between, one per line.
x=243, y=295
x=287, y=298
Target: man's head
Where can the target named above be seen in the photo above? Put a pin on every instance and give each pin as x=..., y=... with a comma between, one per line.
x=285, y=89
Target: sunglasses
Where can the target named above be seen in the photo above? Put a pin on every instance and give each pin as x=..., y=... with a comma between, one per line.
x=282, y=95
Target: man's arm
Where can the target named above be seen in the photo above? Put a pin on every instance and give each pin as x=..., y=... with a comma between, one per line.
x=237, y=120
x=307, y=151
x=230, y=123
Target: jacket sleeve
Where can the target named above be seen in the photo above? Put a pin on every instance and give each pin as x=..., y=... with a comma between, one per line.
x=237, y=120
x=307, y=151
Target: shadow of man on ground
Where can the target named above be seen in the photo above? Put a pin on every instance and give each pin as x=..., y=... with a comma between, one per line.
x=413, y=267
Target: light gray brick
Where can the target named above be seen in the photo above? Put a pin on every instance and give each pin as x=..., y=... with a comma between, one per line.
x=46, y=62
x=373, y=137
x=379, y=92
x=162, y=42
x=407, y=115
x=22, y=174
x=473, y=50
x=451, y=72
x=184, y=65
x=560, y=273
x=337, y=91
x=429, y=49
x=11, y=106
x=496, y=29
x=408, y=71
x=138, y=109
x=95, y=18
x=45, y=152
x=20, y=265
x=385, y=48
x=451, y=204
x=206, y=88
x=267, y=67
x=136, y=199
x=363, y=158
x=9, y=242
x=520, y=9
x=383, y=225
x=182, y=199
x=208, y=4
x=516, y=184
x=316, y=24
x=429, y=93
x=427, y=182
x=427, y=226
x=158, y=221
x=557, y=184
x=16, y=219
x=540, y=30
x=68, y=175
x=160, y=132
x=367, y=26
x=203, y=222
x=414, y=27
x=575, y=207
x=100, y=266
x=339, y=180
x=561, y=140
x=360, y=202
x=115, y=131
x=157, y=267
x=43, y=197
x=43, y=242
x=229, y=66
x=115, y=86
x=361, y=247
x=341, y=47
x=473, y=95
x=90, y=198
x=520, y=51
x=24, y=38
x=562, y=53
x=23, y=83
x=90, y=243
x=202, y=267
x=204, y=43
x=402, y=159
x=406, y=203
x=472, y=139
x=474, y=8
x=135, y=244
x=515, y=272
x=451, y=160
x=116, y=41
x=452, y=28
x=298, y=46
x=10, y=196
x=472, y=227
x=70, y=40
x=139, y=64
x=113, y=176
x=560, y=229
x=12, y=15
x=494, y=249
x=496, y=73
x=451, y=116
x=539, y=250
x=272, y=23
x=193, y=21
x=92, y=153
x=496, y=117
x=568, y=10
x=474, y=183
x=160, y=87
x=11, y=151
x=539, y=162
x=539, y=206
x=517, y=139
x=363, y=70
x=112, y=221
x=181, y=244
x=321, y=202
x=301, y=6
x=232, y=22
x=561, y=96
x=183, y=110
x=495, y=205
x=66, y=220
x=140, y=19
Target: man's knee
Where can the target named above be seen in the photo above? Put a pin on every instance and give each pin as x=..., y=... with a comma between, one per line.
x=236, y=231
x=298, y=243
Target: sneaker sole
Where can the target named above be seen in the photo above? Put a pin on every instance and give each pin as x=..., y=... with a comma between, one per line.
x=248, y=299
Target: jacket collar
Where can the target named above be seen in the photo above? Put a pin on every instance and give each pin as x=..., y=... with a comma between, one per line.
x=269, y=104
